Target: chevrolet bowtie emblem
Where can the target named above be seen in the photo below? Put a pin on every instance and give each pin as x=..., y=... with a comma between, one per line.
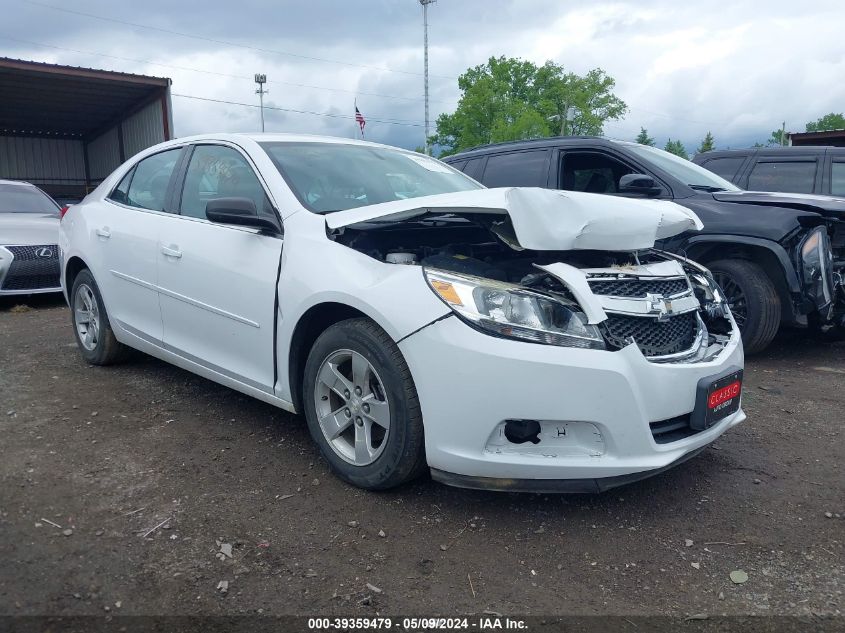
x=659, y=305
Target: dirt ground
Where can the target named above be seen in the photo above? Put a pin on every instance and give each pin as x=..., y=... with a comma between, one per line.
x=122, y=488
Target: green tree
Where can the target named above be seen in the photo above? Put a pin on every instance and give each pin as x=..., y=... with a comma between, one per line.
x=511, y=99
x=677, y=148
x=778, y=137
x=707, y=144
x=832, y=121
x=643, y=138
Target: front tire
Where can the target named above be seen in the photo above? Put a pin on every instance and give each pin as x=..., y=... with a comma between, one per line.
x=362, y=407
x=753, y=300
x=91, y=327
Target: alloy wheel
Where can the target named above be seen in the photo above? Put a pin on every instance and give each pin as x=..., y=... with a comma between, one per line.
x=734, y=296
x=352, y=407
x=86, y=317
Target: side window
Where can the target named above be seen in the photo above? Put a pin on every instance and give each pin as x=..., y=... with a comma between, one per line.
x=215, y=172
x=459, y=165
x=518, y=169
x=837, y=179
x=120, y=193
x=792, y=177
x=473, y=168
x=725, y=167
x=148, y=187
x=591, y=172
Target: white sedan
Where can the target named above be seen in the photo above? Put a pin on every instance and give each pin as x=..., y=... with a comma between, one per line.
x=517, y=339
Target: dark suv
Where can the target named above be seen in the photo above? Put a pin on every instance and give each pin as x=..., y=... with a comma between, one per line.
x=791, y=169
x=779, y=258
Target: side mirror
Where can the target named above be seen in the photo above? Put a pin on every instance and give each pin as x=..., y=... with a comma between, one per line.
x=240, y=212
x=638, y=184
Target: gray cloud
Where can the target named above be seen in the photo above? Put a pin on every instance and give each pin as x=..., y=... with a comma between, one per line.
x=737, y=69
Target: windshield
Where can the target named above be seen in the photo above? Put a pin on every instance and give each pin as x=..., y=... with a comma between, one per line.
x=329, y=177
x=687, y=172
x=25, y=199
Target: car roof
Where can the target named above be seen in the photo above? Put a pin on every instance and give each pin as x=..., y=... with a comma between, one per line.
x=551, y=141
x=279, y=137
x=770, y=151
x=16, y=182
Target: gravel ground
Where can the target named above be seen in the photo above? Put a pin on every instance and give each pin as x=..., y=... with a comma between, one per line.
x=137, y=489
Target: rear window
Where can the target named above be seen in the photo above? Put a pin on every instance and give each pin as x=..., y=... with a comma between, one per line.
x=837, y=179
x=518, y=169
x=25, y=199
x=790, y=177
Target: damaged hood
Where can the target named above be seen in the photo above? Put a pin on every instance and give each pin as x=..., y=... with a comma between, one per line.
x=545, y=219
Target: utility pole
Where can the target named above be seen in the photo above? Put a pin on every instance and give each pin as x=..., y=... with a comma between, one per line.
x=783, y=133
x=425, y=4
x=261, y=80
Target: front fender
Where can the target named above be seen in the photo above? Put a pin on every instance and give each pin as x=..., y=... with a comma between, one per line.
x=793, y=284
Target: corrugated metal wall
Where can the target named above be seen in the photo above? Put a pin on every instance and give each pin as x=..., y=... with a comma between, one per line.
x=142, y=129
x=60, y=164
x=103, y=155
x=42, y=160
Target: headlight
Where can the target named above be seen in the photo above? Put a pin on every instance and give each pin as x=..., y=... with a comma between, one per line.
x=511, y=311
x=816, y=267
x=709, y=294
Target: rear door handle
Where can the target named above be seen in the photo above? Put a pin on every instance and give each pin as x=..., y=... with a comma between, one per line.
x=171, y=251
x=104, y=232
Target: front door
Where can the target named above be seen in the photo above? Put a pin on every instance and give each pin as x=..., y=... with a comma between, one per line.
x=217, y=282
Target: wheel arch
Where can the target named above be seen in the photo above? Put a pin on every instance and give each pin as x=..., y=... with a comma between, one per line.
x=770, y=256
x=73, y=267
x=313, y=322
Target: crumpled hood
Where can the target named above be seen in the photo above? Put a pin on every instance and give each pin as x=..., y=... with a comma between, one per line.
x=545, y=219
x=826, y=205
x=29, y=228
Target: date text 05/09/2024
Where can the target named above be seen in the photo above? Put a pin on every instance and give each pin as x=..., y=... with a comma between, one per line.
x=478, y=623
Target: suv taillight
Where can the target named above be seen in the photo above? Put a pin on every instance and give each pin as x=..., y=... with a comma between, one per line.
x=63, y=211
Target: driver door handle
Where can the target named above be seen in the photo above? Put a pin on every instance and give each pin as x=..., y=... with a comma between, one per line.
x=171, y=251
x=104, y=232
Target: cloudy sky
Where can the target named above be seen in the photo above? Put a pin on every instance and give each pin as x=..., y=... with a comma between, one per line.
x=735, y=68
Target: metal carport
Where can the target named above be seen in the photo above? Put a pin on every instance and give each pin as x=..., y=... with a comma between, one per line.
x=66, y=128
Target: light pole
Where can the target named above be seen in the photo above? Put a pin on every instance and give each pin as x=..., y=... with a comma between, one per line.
x=571, y=111
x=261, y=80
x=425, y=4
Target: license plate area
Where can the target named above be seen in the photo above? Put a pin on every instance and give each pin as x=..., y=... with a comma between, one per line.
x=716, y=398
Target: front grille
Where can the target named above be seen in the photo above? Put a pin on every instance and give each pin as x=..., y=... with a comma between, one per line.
x=672, y=430
x=654, y=338
x=30, y=271
x=638, y=287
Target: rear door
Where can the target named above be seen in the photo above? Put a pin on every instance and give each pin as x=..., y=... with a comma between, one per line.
x=124, y=241
x=218, y=282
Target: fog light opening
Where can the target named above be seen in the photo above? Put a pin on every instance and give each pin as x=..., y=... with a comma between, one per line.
x=521, y=431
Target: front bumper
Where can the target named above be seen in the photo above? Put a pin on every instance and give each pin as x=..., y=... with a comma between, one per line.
x=595, y=408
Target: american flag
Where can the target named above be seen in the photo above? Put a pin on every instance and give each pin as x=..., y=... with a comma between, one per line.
x=359, y=119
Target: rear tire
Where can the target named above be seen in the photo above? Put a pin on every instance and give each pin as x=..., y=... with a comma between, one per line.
x=362, y=407
x=91, y=327
x=753, y=299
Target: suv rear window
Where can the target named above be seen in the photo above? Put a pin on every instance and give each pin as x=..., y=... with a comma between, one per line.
x=518, y=169
x=792, y=177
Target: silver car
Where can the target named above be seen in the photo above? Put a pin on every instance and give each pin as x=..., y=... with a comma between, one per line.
x=29, y=235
